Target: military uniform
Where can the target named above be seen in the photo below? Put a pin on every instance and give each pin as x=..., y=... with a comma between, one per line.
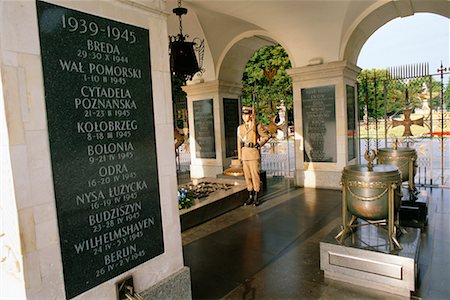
x=249, y=143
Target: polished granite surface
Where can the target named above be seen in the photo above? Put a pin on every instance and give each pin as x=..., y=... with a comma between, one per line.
x=375, y=238
x=272, y=251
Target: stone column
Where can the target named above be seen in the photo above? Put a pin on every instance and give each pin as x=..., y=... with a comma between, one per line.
x=321, y=82
x=212, y=159
x=32, y=260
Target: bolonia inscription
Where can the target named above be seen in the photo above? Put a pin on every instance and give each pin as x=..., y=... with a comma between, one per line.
x=110, y=148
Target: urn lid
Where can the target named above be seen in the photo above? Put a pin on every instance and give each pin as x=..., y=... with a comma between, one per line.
x=378, y=172
x=400, y=152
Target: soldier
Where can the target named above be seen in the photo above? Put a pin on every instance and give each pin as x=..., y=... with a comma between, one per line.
x=251, y=137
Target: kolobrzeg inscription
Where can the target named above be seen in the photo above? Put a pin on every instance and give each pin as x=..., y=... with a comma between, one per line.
x=319, y=124
x=98, y=95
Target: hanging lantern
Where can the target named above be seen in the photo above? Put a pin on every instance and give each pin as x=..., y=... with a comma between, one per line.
x=186, y=58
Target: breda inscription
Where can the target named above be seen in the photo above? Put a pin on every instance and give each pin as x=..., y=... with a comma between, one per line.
x=98, y=96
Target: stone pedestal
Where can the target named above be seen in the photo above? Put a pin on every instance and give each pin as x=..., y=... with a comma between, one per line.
x=219, y=202
x=364, y=259
x=414, y=213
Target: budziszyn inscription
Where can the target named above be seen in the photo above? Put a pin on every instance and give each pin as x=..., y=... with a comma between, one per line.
x=102, y=142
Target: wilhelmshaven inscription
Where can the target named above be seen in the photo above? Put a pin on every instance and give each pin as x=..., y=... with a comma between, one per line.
x=114, y=213
x=105, y=126
x=110, y=148
x=111, y=236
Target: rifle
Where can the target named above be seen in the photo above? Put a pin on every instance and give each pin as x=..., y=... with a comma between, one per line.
x=254, y=117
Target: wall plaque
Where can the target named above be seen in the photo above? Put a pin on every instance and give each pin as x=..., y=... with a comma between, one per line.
x=319, y=124
x=205, y=144
x=231, y=119
x=98, y=96
x=351, y=122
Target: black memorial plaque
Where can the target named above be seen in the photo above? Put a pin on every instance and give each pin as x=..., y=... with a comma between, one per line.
x=319, y=124
x=231, y=120
x=98, y=96
x=351, y=122
x=205, y=145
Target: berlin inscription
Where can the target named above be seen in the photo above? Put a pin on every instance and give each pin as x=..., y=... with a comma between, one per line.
x=319, y=124
x=102, y=141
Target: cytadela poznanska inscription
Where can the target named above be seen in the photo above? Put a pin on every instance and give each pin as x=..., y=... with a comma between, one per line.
x=98, y=96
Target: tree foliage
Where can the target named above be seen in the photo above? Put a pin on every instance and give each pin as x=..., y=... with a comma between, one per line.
x=265, y=78
x=374, y=84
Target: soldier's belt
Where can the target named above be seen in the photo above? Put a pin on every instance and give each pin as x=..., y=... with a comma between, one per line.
x=250, y=145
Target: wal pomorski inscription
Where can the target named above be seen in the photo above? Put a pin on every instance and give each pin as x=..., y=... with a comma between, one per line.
x=102, y=139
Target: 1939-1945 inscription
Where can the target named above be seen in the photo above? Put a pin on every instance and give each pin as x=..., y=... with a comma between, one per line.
x=102, y=141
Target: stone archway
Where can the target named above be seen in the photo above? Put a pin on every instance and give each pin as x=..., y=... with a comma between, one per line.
x=367, y=24
x=277, y=158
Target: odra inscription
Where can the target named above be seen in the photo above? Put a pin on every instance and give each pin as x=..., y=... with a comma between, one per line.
x=102, y=141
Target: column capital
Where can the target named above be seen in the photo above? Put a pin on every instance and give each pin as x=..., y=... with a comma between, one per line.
x=336, y=69
x=213, y=87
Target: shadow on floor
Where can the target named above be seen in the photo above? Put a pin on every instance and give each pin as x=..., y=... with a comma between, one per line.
x=272, y=251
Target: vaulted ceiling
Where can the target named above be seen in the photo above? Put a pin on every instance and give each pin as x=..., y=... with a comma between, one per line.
x=310, y=31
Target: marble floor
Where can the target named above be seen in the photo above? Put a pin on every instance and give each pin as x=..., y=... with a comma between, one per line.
x=272, y=251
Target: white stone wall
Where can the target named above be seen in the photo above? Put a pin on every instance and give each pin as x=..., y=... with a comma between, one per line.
x=339, y=74
x=29, y=221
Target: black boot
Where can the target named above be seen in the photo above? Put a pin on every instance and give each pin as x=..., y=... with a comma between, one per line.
x=256, y=199
x=250, y=198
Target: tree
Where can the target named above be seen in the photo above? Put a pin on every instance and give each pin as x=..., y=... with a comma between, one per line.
x=265, y=77
x=447, y=94
x=374, y=84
